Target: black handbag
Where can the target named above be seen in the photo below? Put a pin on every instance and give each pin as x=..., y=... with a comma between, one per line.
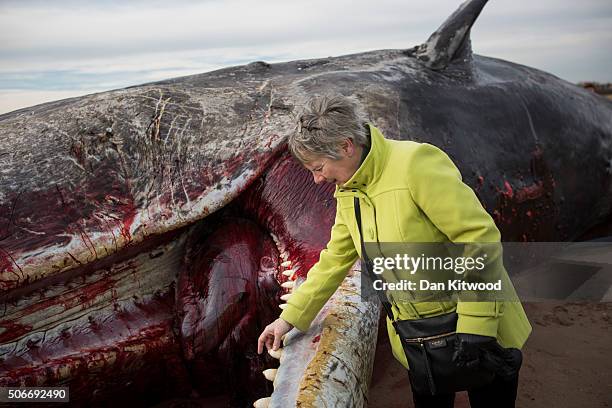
x=429, y=345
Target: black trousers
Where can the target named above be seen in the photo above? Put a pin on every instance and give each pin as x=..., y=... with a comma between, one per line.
x=497, y=394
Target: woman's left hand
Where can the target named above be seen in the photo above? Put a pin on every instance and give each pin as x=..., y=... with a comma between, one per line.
x=473, y=350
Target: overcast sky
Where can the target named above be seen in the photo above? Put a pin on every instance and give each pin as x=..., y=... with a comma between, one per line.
x=56, y=49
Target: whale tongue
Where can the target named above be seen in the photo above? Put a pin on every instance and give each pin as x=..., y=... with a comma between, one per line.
x=451, y=41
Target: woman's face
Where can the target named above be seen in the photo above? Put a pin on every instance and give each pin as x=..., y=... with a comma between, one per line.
x=337, y=171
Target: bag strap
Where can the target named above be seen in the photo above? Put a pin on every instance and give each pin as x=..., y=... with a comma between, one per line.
x=383, y=297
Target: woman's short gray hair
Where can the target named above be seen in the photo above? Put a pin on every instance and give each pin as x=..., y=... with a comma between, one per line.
x=324, y=123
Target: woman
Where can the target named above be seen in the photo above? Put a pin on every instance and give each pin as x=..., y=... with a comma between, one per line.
x=408, y=192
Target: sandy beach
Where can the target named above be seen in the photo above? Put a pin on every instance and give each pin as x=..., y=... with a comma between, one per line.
x=567, y=361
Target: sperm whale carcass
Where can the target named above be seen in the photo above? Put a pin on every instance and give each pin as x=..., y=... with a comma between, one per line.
x=148, y=234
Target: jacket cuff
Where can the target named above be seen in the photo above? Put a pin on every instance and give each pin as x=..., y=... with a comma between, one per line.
x=482, y=325
x=294, y=316
x=479, y=317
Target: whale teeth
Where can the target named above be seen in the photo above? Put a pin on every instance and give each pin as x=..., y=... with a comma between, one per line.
x=286, y=263
x=285, y=297
x=288, y=272
x=284, y=255
x=283, y=306
x=288, y=284
x=262, y=403
x=275, y=353
x=270, y=373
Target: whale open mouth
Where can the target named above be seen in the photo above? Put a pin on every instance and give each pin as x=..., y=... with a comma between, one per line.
x=179, y=313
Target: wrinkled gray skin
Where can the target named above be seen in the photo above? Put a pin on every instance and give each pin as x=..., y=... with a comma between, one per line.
x=82, y=178
x=168, y=153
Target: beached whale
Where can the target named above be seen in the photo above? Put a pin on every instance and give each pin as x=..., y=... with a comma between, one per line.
x=144, y=231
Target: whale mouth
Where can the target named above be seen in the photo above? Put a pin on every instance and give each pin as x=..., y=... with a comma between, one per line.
x=177, y=314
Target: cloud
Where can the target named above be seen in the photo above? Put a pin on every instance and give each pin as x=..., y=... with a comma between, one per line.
x=11, y=100
x=185, y=26
x=72, y=45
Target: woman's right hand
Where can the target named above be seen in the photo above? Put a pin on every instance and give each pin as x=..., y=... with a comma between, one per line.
x=272, y=334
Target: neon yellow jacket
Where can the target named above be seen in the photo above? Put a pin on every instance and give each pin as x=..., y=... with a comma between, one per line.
x=401, y=180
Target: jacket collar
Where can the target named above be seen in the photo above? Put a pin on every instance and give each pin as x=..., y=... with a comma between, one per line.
x=370, y=170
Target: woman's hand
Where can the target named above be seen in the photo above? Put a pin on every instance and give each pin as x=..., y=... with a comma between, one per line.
x=473, y=351
x=272, y=334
